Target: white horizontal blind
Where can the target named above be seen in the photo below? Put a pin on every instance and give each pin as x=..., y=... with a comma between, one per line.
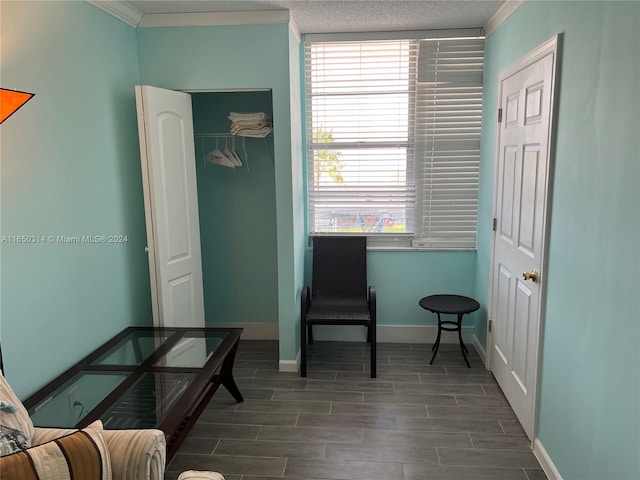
x=358, y=97
x=447, y=136
x=377, y=158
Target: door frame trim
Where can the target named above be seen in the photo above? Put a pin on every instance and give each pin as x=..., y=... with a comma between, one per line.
x=551, y=46
x=149, y=207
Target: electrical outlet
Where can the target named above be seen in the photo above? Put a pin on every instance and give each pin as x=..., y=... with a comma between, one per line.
x=74, y=396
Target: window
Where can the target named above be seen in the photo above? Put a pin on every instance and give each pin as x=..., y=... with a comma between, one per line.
x=393, y=141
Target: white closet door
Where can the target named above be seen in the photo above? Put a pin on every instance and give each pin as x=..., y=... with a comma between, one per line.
x=165, y=126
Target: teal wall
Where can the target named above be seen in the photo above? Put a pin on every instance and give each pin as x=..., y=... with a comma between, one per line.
x=297, y=182
x=589, y=415
x=237, y=214
x=402, y=278
x=69, y=165
x=239, y=57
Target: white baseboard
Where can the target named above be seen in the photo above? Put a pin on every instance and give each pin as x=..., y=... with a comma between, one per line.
x=253, y=331
x=290, y=365
x=481, y=351
x=545, y=461
x=349, y=333
x=390, y=334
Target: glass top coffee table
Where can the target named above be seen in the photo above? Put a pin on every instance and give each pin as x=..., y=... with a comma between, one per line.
x=144, y=377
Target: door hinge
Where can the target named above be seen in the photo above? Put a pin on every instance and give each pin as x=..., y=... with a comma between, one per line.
x=490, y=325
x=499, y=115
x=495, y=224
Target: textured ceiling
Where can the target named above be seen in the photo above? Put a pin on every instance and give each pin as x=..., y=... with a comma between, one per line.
x=321, y=16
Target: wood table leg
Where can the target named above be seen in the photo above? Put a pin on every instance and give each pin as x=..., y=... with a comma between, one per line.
x=226, y=375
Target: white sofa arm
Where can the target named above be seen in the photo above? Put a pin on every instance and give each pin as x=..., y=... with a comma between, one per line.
x=43, y=434
x=199, y=475
x=137, y=454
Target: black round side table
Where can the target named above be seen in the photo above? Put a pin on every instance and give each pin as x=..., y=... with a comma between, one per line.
x=449, y=304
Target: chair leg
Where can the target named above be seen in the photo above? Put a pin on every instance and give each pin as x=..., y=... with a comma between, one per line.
x=369, y=334
x=373, y=347
x=373, y=357
x=303, y=348
x=372, y=330
x=310, y=327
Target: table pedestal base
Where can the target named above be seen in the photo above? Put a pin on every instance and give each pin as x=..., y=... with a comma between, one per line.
x=457, y=327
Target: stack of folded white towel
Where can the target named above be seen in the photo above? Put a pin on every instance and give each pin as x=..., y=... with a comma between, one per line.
x=250, y=124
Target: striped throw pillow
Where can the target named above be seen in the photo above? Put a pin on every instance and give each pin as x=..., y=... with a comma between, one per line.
x=81, y=455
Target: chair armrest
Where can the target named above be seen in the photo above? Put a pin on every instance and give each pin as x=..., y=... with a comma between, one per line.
x=137, y=454
x=372, y=302
x=305, y=300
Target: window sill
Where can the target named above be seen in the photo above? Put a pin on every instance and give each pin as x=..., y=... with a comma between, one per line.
x=400, y=243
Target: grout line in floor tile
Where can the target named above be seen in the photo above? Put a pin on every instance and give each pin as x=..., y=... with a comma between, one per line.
x=215, y=448
x=502, y=427
x=284, y=467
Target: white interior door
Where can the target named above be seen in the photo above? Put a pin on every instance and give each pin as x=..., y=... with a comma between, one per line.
x=526, y=103
x=165, y=126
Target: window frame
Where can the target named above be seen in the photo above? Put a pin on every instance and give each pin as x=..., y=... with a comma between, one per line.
x=381, y=241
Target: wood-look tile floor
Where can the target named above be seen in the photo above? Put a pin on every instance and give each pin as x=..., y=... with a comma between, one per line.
x=415, y=421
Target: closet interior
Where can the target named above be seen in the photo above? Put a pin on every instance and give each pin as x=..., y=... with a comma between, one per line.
x=237, y=207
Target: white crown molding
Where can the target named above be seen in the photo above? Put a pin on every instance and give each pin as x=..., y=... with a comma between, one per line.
x=294, y=28
x=119, y=9
x=504, y=12
x=264, y=17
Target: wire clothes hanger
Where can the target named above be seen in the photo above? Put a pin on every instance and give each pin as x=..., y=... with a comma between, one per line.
x=227, y=158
